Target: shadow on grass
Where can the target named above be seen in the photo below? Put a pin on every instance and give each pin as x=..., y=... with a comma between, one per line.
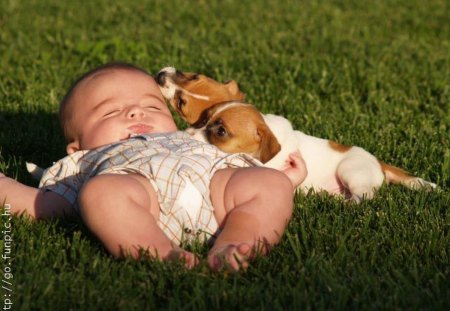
x=34, y=137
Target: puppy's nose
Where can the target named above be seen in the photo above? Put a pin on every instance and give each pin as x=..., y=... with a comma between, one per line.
x=160, y=78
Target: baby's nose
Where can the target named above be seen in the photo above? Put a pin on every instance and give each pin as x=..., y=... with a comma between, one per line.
x=136, y=111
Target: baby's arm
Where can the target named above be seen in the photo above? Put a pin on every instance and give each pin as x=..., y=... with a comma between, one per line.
x=295, y=169
x=31, y=201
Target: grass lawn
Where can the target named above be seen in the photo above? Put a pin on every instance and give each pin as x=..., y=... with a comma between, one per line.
x=368, y=73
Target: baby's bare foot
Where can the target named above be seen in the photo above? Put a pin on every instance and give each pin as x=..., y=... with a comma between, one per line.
x=189, y=259
x=232, y=257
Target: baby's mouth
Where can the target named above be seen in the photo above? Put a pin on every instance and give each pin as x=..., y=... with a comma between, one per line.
x=140, y=129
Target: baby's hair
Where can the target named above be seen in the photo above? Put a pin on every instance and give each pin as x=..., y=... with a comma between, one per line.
x=63, y=117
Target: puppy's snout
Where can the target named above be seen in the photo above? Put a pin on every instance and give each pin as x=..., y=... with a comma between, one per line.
x=160, y=78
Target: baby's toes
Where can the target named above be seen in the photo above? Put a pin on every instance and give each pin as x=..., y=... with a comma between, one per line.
x=231, y=257
x=240, y=257
x=189, y=259
x=178, y=254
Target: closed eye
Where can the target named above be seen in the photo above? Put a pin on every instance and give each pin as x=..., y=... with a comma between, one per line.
x=111, y=113
x=180, y=103
x=152, y=107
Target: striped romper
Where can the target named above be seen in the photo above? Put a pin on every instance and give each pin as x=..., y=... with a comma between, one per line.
x=179, y=168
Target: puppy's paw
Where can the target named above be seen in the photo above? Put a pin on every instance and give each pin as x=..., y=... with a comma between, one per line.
x=362, y=193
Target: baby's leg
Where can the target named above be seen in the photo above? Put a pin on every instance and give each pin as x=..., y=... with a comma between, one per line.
x=252, y=206
x=122, y=211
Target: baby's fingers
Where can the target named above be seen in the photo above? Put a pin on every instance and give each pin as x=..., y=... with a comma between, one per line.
x=296, y=159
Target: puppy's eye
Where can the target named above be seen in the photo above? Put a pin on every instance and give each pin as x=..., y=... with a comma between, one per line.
x=180, y=103
x=195, y=77
x=221, y=131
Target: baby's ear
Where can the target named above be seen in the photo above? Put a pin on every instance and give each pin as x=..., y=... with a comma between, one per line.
x=72, y=147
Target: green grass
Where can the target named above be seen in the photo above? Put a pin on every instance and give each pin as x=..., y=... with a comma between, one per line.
x=368, y=73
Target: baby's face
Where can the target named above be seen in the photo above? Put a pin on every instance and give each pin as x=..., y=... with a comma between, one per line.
x=115, y=104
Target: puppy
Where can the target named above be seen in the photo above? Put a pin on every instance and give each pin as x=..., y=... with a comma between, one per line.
x=201, y=92
x=235, y=126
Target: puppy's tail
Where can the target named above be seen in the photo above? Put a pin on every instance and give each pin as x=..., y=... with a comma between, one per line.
x=396, y=175
x=34, y=170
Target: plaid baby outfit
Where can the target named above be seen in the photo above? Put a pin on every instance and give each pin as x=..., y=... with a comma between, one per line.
x=179, y=168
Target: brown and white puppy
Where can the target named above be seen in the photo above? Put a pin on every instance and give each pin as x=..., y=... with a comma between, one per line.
x=243, y=129
x=201, y=91
x=236, y=126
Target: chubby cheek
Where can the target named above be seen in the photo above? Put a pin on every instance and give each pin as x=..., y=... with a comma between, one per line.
x=164, y=124
x=99, y=136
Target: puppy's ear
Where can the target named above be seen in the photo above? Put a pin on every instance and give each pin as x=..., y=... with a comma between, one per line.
x=269, y=145
x=233, y=88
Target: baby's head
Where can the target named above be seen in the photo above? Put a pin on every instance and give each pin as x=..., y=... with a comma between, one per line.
x=110, y=103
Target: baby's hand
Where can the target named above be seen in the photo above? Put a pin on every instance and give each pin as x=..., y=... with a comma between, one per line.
x=295, y=168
